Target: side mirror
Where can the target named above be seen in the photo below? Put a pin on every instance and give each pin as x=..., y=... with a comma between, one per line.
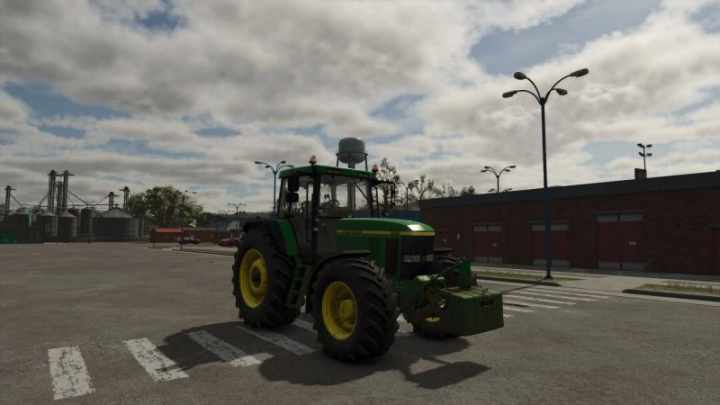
x=292, y=197
x=293, y=183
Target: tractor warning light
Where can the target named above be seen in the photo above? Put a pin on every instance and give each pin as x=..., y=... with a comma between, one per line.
x=313, y=160
x=375, y=168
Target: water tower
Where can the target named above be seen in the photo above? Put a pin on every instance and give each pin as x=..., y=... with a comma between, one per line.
x=351, y=151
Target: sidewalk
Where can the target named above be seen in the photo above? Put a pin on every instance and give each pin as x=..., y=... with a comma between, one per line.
x=671, y=285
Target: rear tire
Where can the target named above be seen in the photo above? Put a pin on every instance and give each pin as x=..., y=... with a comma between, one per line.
x=263, y=308
x=452, y=278
x=354, y=310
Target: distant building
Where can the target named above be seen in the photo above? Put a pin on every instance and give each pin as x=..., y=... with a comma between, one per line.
x=663, y=224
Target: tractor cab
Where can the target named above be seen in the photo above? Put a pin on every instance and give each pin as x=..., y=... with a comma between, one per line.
x=316, y=198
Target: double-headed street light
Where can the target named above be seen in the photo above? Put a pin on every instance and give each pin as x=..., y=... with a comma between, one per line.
x=237, y=212
x=643, y=154
x=542, y=101
x=275, y=170
x=407, y=190
x=497, y=175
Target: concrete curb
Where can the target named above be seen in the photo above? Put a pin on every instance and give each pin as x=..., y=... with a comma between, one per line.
x=517, y=280
x=674, y=295
x=220, y=253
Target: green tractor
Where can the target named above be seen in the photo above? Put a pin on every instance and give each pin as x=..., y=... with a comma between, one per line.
x=354, y=270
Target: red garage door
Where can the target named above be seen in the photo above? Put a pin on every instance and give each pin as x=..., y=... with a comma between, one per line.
x=620, y=242
x=487, y=244
x=559, y=242
x=442, y=239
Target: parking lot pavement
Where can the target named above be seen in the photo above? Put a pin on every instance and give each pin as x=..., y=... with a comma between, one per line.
x=120, y=323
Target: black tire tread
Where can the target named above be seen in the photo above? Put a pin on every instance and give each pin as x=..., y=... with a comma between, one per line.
x=382, y=311
x=276, y=314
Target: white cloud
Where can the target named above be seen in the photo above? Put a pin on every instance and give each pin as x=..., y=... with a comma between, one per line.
x=251, y=65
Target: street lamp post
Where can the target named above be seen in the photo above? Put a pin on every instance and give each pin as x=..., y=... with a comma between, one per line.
x=497, y=175
x=407, y=191
x=644, y=155
x=182, y=215
x=542, y=101
x=237, y=213
x=275, y=170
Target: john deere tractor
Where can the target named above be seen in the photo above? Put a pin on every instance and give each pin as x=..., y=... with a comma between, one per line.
x=332, y=250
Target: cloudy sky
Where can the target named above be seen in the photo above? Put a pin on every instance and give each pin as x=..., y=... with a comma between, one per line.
x=190, y=94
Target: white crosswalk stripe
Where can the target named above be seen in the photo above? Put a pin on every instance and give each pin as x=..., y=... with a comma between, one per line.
x=554, y=296
x=541, y=300
x=529, y=304
x=69, y=374
x=159, y=366
x=572, y=293
x=515, y=309
x=277, y=339
x=222, y=349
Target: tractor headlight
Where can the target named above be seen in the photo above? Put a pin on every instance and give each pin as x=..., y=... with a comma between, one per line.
x=442, y=304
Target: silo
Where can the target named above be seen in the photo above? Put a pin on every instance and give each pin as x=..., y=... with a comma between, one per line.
x=113, y=224
x=76, y=213
x=18, y=223
x=67, y=227
x=86, y=220
x=131, y=229
x=48, y=223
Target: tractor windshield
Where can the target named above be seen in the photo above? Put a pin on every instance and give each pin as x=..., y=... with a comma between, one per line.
x=342, y=197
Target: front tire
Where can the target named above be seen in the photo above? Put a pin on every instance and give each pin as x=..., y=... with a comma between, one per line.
x=354, y=310
x=261, y=280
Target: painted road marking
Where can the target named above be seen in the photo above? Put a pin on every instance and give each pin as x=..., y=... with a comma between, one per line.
x=69, y=374
x=304, y=324
x=578, y=294
x=159, y=366
x=277, y=339
x=517, y=309
x=225, y=351
x=542, y=300
x=507, y=316
x=554, y=296
x=528, y=304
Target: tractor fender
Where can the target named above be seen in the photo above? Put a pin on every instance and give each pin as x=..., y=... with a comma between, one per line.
x=273, y=227
x=323, y=262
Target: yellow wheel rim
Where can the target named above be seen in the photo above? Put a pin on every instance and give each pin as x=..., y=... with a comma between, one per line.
x=339, y=310
x=432, y=319
x=253, y=278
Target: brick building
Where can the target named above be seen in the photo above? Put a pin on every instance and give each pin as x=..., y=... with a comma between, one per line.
x=663, y=224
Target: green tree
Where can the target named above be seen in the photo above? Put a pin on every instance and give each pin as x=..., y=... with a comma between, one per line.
x=467, y=191
x=164, y=206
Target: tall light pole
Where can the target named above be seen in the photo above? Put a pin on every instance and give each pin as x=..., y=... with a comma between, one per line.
x=182, y=215
x=542, y=101
x=497, y=175
x=643, y=154
x=275, y=170
x=407, y=189
x=237, y=215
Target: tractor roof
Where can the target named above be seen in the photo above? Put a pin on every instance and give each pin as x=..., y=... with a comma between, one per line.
x=343, y=171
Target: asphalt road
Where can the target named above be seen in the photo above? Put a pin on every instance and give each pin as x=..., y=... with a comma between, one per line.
x=121, y=323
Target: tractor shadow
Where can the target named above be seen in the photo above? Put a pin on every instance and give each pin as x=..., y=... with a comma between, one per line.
x=319, y=369
x=416, y=358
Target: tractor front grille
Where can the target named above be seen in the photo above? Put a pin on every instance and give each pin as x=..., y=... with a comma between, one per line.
x=417, y=256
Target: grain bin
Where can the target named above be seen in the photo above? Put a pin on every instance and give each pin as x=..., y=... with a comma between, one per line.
x=114, y=224
x=86, y=220
x=67, y=227
x=48, y=223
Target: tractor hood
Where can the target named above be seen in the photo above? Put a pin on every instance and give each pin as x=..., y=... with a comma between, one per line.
x=383, y=227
